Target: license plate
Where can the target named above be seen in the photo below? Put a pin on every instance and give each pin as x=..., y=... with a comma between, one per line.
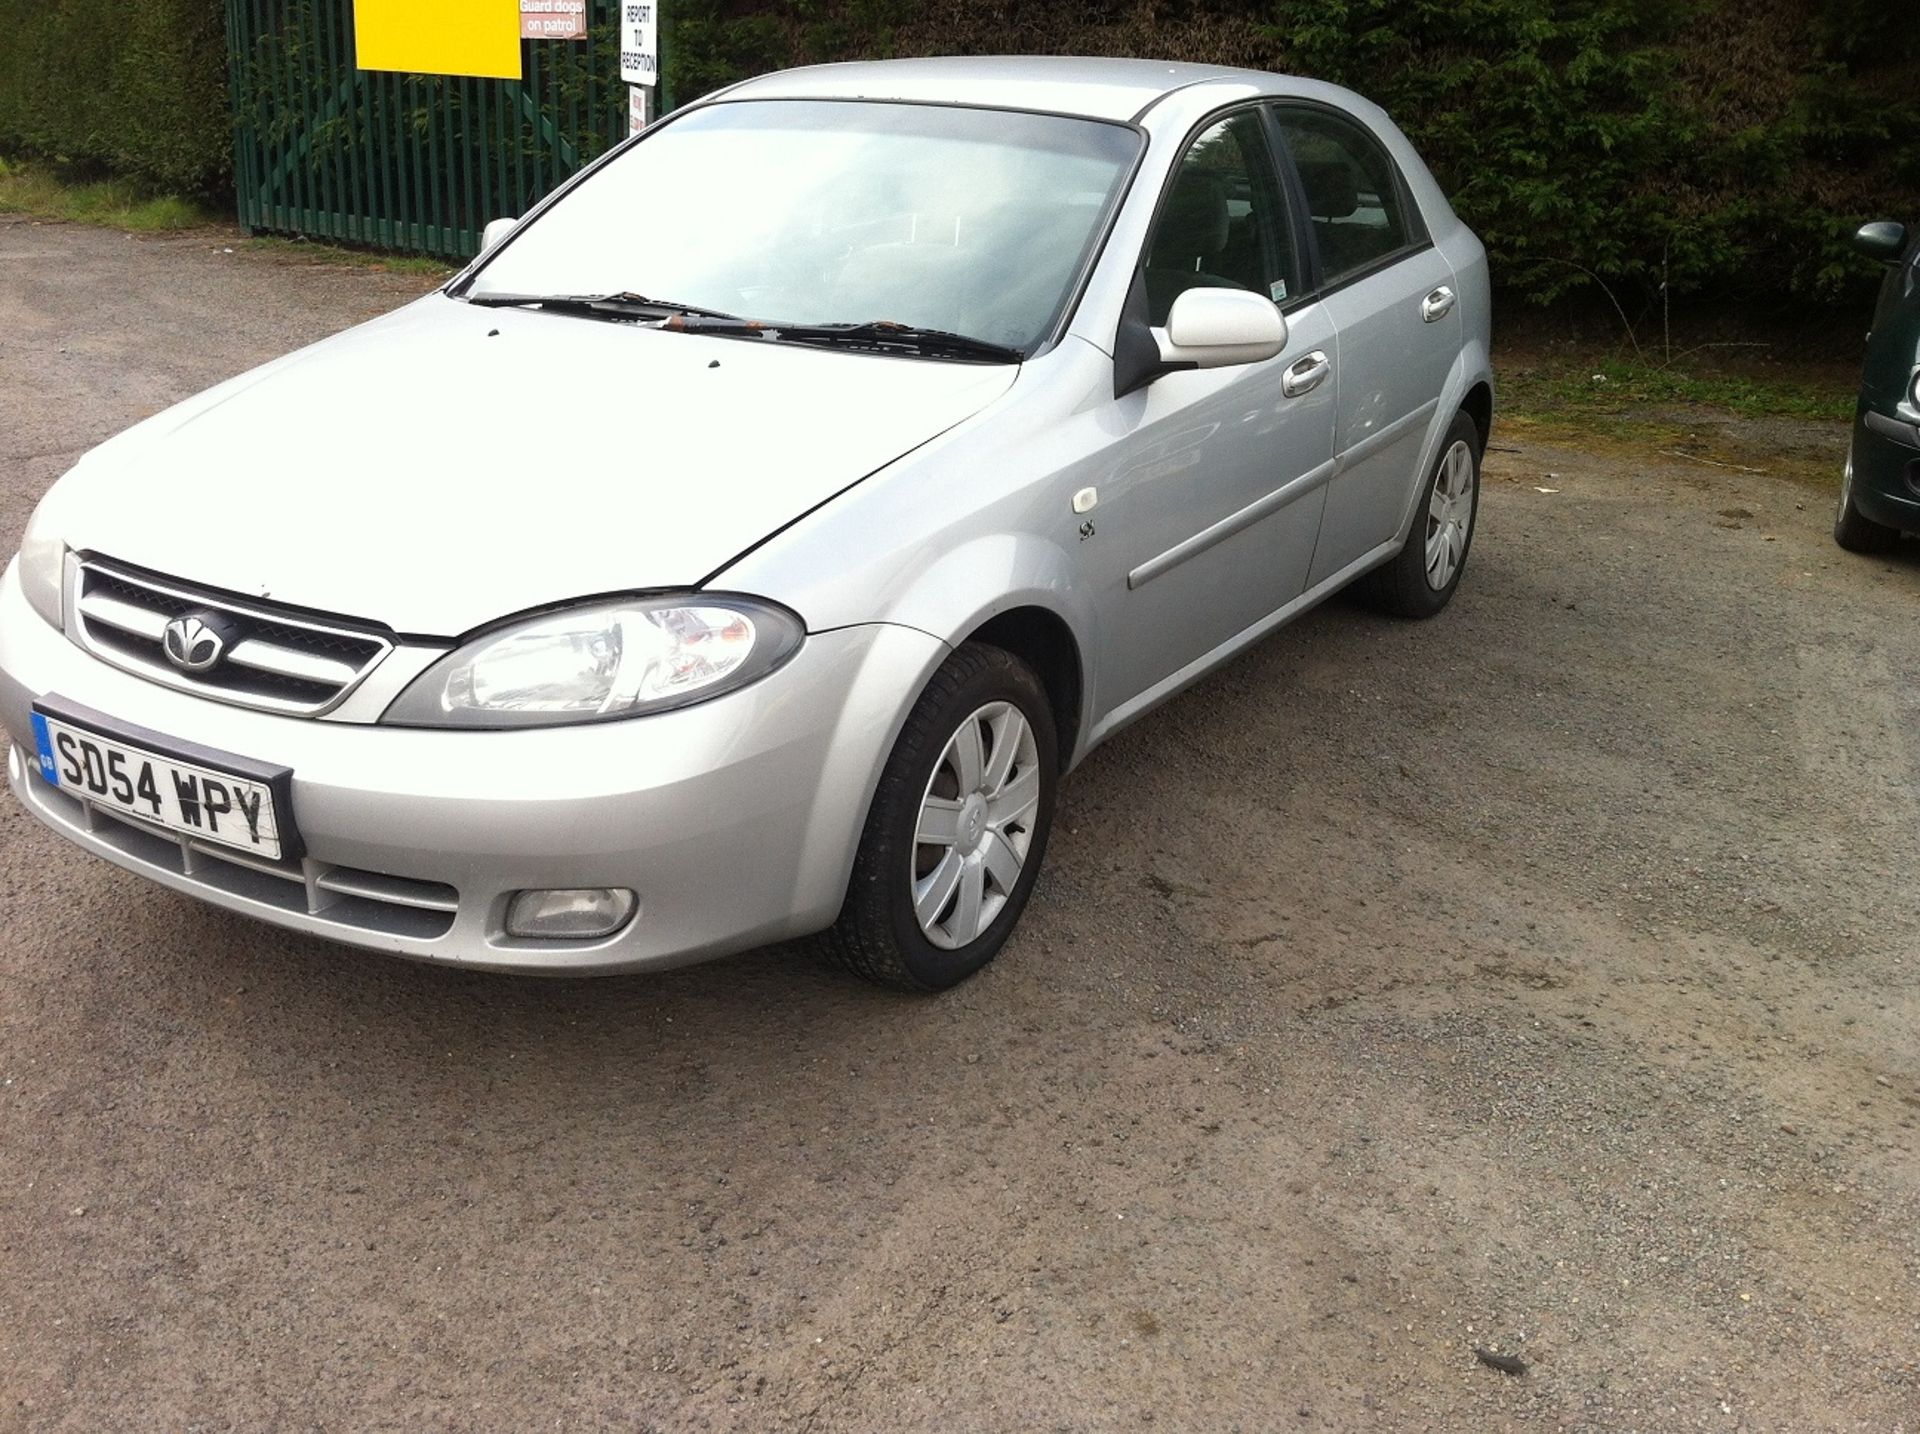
x=196, y=792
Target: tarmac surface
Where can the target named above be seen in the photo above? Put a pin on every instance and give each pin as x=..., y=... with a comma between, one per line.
x=1539, y=979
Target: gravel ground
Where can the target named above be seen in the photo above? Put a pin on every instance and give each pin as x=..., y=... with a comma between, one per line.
x=1527, y=979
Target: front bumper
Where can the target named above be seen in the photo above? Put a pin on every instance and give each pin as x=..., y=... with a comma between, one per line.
x=1886, y=470
x=735, y=821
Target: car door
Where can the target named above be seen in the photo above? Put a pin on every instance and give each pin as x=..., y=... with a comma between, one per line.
x=1209, y=502
x=1391, y=296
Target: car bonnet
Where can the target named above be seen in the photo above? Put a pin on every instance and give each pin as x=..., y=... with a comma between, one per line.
x=449, y=465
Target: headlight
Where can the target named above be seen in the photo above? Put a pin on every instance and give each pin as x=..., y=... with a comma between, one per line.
x=43, y=566
x=602, y=660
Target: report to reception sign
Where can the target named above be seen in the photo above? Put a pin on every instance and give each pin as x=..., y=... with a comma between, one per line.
x=639, y=42
x=439, y=37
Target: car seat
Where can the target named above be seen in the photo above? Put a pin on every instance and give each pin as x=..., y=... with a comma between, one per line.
x=1188, y=244
x=1333, y=199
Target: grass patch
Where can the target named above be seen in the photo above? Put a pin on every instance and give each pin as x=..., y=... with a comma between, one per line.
x=110, y=203
x=306, y=251
x=115, y=204
x=1611, y=394
x=1776, y=421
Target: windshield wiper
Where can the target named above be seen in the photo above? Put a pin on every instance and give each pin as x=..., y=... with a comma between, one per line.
x=624, y=305
x=873, y=336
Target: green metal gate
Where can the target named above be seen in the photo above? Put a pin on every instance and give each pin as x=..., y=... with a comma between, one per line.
x=415, y=162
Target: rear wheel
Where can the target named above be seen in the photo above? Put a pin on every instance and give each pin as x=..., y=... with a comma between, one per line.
x=1420, y=580
x=1854, y=530
x=957, y=829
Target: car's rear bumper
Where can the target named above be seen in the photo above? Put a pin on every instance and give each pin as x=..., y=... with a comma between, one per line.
x=1886, y=470
x=735, y=821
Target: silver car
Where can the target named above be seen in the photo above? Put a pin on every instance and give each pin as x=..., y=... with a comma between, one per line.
x=746, y=544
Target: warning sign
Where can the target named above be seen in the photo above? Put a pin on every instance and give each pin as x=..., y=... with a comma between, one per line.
x=639, y=42
x=553, y=19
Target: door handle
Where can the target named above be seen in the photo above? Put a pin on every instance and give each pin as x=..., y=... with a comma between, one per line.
x=1437, y=305
x=1306, y=375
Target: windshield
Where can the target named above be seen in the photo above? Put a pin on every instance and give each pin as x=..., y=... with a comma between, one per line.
x=975, y=222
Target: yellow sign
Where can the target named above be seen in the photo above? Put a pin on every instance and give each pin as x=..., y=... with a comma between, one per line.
x=439, y=37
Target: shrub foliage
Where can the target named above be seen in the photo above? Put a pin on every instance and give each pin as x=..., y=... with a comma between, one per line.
x=136, y=89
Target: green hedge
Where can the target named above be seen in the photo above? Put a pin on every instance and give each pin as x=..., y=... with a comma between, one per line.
x=1721, y=148
x=135, y=87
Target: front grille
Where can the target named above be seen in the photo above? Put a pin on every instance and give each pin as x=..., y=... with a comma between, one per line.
x=278, y=660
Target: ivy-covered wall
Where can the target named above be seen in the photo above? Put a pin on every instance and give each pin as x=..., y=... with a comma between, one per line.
x=1724, y=148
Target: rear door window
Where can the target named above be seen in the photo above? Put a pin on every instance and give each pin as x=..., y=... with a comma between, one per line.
x=1355, y=201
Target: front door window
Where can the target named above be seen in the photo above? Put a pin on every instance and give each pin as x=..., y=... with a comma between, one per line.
x=1221, y=224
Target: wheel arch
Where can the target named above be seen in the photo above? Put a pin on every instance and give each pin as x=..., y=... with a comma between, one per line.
x=1042, y=639
x=1021, y=591
x=1477, y=404
x=1469, y=385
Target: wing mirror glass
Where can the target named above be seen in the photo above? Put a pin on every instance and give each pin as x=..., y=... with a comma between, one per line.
x=1883, y=240
x=1216, y=328
x=496, y=230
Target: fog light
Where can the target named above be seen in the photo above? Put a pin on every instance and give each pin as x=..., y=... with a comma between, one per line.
x=578, y=914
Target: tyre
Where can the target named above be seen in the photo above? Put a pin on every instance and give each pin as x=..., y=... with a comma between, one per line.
x=957, y=829
x=1854, y=530
x=1420, y=579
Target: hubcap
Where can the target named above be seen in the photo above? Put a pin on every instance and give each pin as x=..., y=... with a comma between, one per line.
x=1450, y=516
x=976, y=825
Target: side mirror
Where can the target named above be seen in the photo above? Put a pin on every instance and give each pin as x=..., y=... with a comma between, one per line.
x=1883, y=240
x=1217, y=328
x=496, y=230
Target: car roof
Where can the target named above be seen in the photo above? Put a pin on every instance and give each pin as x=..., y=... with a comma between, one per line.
x=1096, y=88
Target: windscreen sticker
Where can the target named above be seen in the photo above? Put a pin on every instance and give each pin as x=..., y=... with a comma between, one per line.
x=1277, y=291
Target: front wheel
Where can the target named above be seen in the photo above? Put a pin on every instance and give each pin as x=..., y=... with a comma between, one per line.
x=1854, y=530
x=1420, y=579
x=957, y=829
